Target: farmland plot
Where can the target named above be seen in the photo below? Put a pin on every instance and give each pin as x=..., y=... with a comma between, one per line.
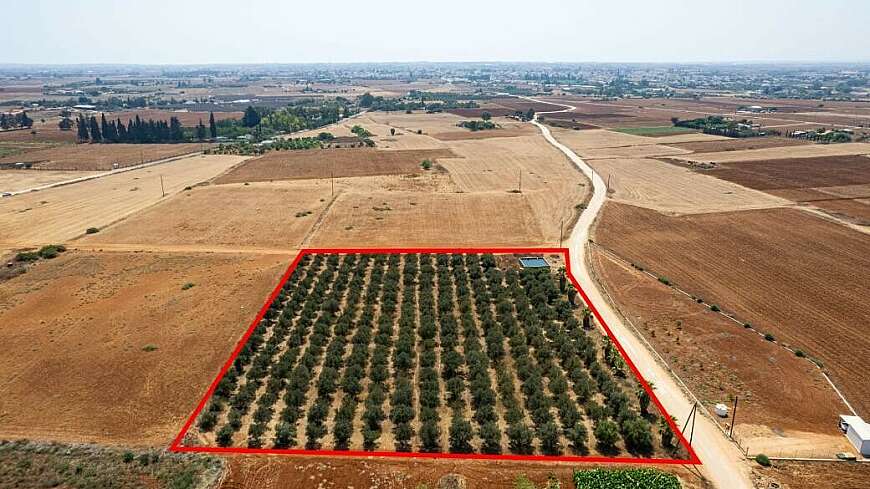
x=428, y=353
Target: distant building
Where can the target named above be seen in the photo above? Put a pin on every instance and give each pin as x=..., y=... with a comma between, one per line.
x=858, y=433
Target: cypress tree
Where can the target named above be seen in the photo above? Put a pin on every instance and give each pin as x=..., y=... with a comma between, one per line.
x=212, y=127
x=82, y=126
x=96, y=136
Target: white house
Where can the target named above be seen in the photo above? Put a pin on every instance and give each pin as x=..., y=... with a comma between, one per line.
x=858, y=433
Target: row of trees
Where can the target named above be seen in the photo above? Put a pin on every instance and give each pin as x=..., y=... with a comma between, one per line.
x=139, y=131
x=15, y=121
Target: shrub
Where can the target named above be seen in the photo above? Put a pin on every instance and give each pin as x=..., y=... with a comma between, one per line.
x=188, y=285
x=128, y=457
x=426, y=164
x=225, y=436
x=800, y=353
x=769, y=337
x=747, y=325
x=664, y=280
x=27, y=256
x=92, y=230
x=607, y=435
x=715, y=308
x=763, y=460
x=460, y=435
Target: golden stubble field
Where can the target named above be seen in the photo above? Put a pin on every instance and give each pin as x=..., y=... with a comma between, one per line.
x=62, y=213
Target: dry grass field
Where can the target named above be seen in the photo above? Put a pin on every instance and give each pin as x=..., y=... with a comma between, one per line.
x=95, y=157
x=108, y=348
x=824, y=475
x=397, y=218
x=47, y=131
x=671, y=189
x=324, y=163
x=260, y=215
x=803, y=298
x=739, y=144
x=62, y=213
x=17, y=180
x=719, y=359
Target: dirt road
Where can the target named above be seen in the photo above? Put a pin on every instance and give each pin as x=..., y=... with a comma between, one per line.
x=723, y=463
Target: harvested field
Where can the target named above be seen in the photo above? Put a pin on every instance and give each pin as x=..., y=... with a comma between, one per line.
x=45, y=132
x=788, y=173
x=514, y=104
x=719, y=359
x=508, y=132
x=319, y=163
x=187, y=119
x=17, y=180
x=584, y=142
x=62, y=213
x=378, y=351
x=739, y=144
x=123, y=353
x=656, y=131
x=496, y=111
x=95, y=157
x=432, y=219
x=302, y=471
x=804, y=298
x=636, y=151
x=813, y=475
x=671, y=189
x=551, y=184
x=786, y=152
x=261, y=215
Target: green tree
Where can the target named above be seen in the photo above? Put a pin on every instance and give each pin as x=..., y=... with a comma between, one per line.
x=251, y=117
x=94, y=129
x=607, y=435
x=486, y=116
x=212, y=127
x=460, y=435
x=200, y=131
x=225, y=436
x=65, y=124
x=430, y=436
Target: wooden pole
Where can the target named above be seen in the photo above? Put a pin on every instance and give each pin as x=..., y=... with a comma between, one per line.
x=733, y=417
x=692, y=433
x=162, y=190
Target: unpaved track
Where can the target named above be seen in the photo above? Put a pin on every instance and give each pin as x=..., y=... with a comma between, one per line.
x=723, y=463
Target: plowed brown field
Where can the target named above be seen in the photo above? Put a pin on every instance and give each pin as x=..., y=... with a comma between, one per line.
x=826, y=171
x=77, y=366
x=789, y=273
x=720, y=359
x=385, y=473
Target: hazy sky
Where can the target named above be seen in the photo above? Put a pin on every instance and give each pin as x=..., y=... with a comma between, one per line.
x=261, y=31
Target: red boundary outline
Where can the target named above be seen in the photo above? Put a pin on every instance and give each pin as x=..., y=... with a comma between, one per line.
x=176, y=445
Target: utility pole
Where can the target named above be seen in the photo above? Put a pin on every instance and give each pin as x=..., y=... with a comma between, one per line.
x=691, y=418
x=520, y=187
x=733, y=416
x=162, y=190
x=607, y=187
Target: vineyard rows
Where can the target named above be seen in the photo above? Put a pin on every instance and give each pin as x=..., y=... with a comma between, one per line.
x=462, y=353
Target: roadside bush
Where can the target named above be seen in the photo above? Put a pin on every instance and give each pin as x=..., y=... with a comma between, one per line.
x=92, y=230
x=769, y=337
x=763, y=460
